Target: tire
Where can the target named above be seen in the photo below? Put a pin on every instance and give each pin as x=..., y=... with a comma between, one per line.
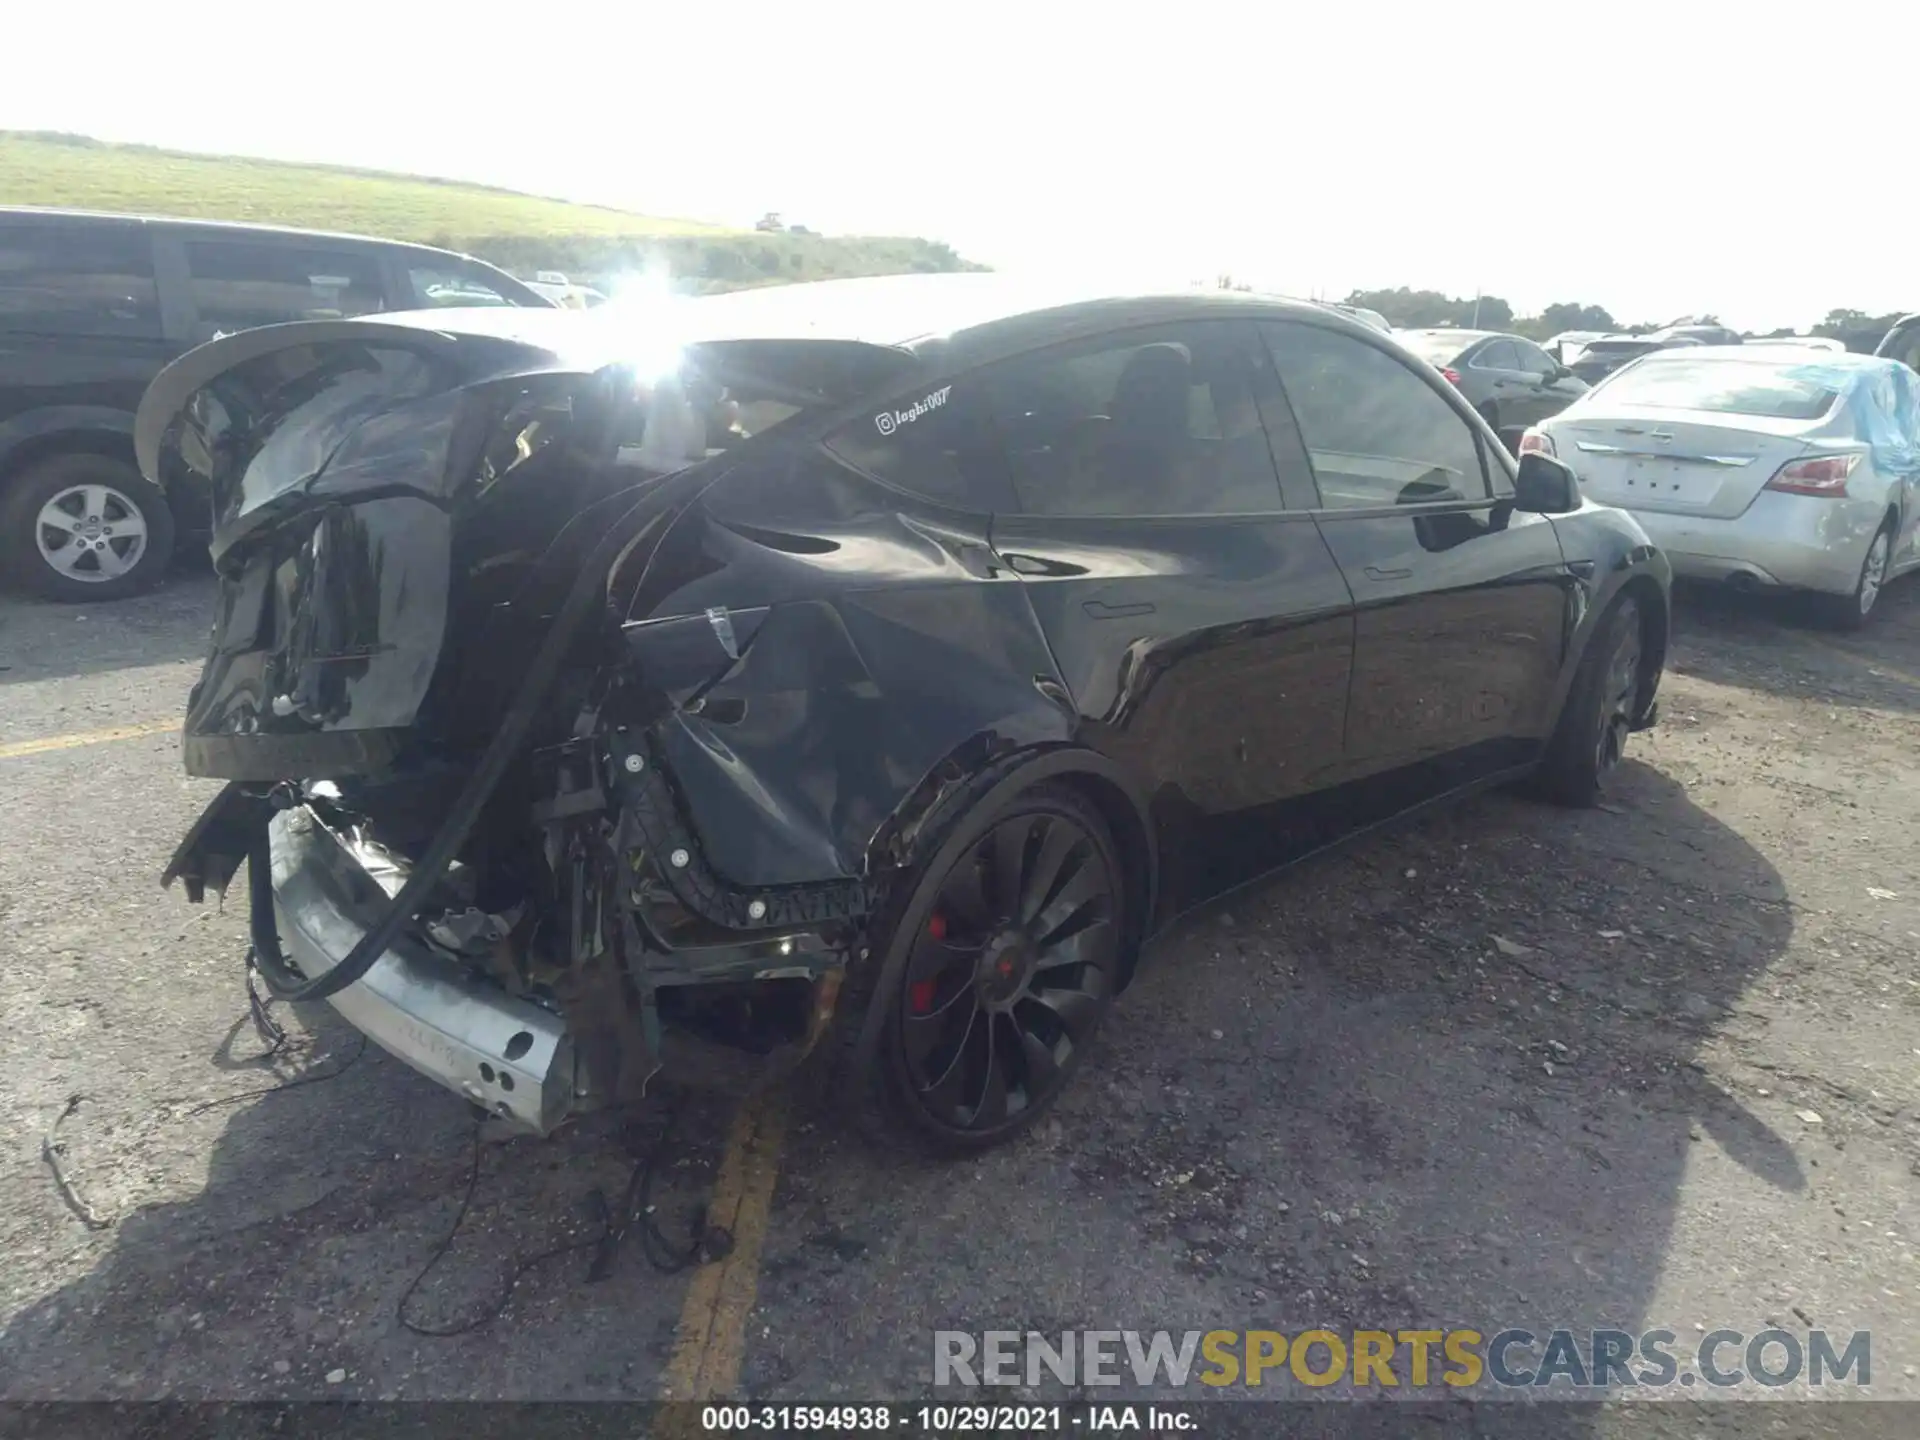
x=987, y=1004
x=1853, y=610
x=1587, y=744
x=91, y=504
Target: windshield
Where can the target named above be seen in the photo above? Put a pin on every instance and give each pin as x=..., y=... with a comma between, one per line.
x=1435, y=348
x=1619, y=347
x=1727, y=387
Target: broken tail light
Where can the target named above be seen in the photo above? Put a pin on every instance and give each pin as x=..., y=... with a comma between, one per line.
x=1537, y=442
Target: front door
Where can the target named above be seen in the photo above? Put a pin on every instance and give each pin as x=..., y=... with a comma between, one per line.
x=1460, y=603
x=1205, y=631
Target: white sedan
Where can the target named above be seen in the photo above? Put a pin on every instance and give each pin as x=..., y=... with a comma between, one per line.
x=1763, y=466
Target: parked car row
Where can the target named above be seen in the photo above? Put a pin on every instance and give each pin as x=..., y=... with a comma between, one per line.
x=93, y=306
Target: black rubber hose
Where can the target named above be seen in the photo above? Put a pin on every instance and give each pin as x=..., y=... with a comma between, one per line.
x=452, y=834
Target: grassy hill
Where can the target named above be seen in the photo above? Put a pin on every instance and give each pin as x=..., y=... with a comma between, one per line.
x=522, y=232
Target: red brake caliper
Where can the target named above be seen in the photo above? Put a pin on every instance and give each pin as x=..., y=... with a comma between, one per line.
x=920, y=993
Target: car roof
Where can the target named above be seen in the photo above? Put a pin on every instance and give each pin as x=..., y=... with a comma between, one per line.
x=910, y=311
x=188, y=222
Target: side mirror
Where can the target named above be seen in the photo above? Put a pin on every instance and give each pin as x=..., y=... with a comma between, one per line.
x=1544, y=486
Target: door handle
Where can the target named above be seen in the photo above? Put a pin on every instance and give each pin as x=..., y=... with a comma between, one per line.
x=1374, y=572
x=1100, y=610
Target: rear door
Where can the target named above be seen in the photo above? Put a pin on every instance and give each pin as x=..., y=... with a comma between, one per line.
x=80, y=323
x=1203, y=628
x=1461, y=604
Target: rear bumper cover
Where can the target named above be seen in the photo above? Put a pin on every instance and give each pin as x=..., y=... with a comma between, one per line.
x=507, y=1055
x=1799, y=542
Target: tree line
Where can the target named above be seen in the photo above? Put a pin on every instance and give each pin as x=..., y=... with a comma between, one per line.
x=1427, y=309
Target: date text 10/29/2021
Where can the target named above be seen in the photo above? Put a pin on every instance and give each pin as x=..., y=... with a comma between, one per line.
x=946, y=1419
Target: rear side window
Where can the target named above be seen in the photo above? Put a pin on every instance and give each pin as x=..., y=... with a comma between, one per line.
x=238, y=284
x=1497, y=355
x=936, y=442
x=1378, y=434
x=78, y=279
x=1149, y=422
x=435, y=286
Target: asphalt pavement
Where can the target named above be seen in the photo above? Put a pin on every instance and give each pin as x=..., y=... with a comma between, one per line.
x=1652, y=1065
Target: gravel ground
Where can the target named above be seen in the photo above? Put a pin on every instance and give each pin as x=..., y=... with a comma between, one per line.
x=1649, y=1065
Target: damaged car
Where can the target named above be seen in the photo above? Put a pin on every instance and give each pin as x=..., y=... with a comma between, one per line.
x=621, y=694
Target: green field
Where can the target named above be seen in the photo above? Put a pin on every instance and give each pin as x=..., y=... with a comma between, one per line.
x=522, y=232
x=57, y=170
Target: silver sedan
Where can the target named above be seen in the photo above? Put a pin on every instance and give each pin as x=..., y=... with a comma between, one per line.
x=1761, y=466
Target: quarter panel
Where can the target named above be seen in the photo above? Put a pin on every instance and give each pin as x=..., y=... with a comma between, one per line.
x=889, y=647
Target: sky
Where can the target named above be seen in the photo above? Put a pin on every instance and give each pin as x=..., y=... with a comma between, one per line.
x=1684, y=158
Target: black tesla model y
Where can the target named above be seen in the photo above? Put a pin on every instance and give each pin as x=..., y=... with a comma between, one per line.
x=663, y=691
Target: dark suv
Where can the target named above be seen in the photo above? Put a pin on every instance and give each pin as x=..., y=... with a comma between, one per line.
x=93, y=306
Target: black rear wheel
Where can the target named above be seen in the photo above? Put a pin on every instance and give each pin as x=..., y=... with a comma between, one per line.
x=1002, y=970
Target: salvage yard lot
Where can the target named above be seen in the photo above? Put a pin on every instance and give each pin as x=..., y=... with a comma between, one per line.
x=1649, y=1065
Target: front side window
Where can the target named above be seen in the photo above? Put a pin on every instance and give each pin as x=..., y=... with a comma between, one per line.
x=1378, y=434
x=1147, y=422
x=238, y=284
x=77, y=279
x=435, y=286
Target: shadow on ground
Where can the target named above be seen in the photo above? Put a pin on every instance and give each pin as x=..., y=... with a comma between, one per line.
x=1774, y=643
x=319, y=1205
x=1342, y=1104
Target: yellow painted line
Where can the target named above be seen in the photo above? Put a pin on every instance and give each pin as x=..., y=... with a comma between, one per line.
x=17, y=748
x=713, y=1318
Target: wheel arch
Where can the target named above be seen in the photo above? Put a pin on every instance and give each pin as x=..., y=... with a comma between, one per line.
x=1095, y=779
x=67, y=430
x=1656, y=624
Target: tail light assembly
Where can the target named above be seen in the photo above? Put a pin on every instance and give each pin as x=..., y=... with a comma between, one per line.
x=1537, y=442
x=1825, y=475
x=1450, y=375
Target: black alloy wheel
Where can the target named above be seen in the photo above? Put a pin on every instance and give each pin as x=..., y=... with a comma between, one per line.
x=1008, y=973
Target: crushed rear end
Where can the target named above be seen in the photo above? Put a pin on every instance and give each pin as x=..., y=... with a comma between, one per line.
x=444, y=744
